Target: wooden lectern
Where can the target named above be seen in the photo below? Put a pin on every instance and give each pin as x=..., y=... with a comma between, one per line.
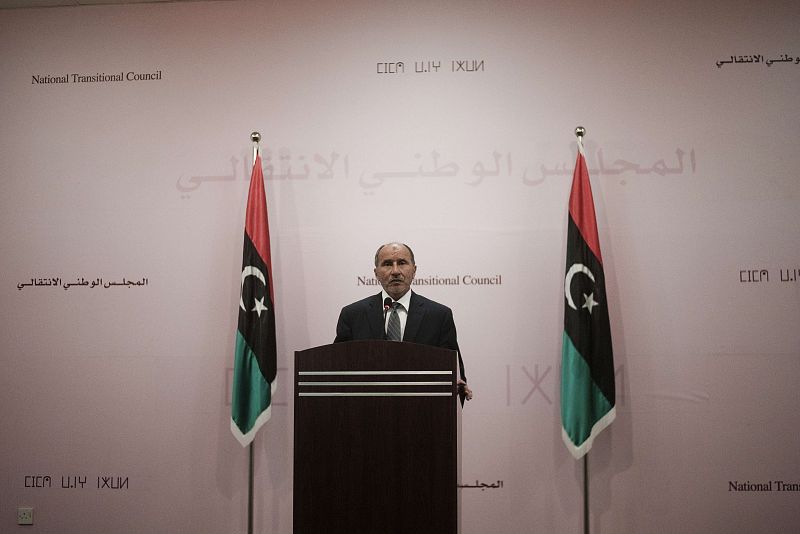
x=375, y=439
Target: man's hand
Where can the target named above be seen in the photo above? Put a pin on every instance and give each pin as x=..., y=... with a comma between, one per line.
x=463, y=390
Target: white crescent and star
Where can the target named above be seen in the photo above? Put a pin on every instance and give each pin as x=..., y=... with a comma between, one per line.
x=589, y=301
x=258, y=304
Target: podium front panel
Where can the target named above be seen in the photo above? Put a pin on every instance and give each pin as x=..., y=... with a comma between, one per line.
x=375, y=439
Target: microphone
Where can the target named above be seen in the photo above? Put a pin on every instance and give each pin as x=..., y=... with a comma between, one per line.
x=387, y=303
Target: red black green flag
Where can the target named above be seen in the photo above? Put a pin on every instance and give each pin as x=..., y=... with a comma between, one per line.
x=255, y=356
x=587, y=361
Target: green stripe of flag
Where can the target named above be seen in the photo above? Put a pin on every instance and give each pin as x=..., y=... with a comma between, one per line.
x=252, y=394
x=585, y=411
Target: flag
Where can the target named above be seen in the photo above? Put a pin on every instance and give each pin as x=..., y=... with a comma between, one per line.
x=587, y=361
x=255, y=355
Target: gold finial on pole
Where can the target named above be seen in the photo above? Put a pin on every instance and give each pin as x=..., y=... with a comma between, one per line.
x=580, y=131
x=255, y=137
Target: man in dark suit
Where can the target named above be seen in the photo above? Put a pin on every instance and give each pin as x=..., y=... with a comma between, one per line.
x=417, y=319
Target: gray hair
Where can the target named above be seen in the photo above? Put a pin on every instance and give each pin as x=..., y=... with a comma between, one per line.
x=394, y=243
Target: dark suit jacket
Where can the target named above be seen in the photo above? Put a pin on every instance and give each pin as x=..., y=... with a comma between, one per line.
x=428, y=323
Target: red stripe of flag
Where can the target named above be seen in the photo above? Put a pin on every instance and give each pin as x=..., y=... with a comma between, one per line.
x=581, y=206
x=256, y=223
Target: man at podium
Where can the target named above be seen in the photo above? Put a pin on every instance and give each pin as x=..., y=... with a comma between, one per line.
x=399, y=314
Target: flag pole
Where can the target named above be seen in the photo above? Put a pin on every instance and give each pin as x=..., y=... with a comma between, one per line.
x=580, y=131
x=255, y=137
x=586, y=493
x=250, y=491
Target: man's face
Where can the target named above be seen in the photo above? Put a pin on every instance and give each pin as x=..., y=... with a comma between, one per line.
x=395, y=270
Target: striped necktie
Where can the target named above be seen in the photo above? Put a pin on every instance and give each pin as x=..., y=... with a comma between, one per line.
x=393, y=328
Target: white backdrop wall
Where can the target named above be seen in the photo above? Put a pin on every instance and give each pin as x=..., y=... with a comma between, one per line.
x=115, y=399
